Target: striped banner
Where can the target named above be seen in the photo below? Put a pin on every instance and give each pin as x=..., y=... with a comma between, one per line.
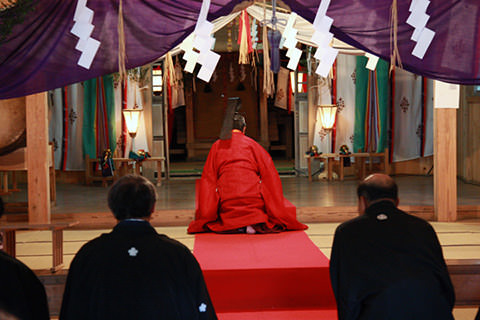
x=99, y=117
x=371, y=100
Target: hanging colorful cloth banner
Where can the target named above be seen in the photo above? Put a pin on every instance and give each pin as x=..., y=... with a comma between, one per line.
x=99, y=117
x=407, y=115
x=65, y=126
x=281, y=97
x=178, y=96
x=345, y=100
x=371, y=101
x=55, y=124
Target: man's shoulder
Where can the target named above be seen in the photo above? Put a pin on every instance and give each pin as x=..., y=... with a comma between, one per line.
x=352, y=224
x=399, y=216
x=172, y=243
x=412, y=220
x=11, y=263
x=109, y=240
x=11, y=267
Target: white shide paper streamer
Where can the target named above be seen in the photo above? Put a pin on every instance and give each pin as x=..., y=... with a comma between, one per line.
x=289, y=41
x=418, y=19
x=203, y=42
x=83, y=29
x=322, y=37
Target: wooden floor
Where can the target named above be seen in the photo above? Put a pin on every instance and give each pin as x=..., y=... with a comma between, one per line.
x=179, y=193
x=460, y=240
x=317, y=201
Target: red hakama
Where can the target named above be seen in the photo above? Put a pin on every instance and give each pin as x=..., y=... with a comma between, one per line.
x=240, y=187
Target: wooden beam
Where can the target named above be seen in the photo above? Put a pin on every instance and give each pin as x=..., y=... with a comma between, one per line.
x=445, y=164
x=37, y=158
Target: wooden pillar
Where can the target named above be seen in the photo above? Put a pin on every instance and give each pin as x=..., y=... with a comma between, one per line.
x=445, y=164
x=37, y=158
x=264, y=140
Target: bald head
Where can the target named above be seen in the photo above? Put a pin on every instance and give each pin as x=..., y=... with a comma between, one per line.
x=378, y=187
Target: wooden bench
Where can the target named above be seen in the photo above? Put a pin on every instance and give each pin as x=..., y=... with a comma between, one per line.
x=17, y=161
x=360, y=157
x=465, y=276
x=9, y=240
x=118, y=164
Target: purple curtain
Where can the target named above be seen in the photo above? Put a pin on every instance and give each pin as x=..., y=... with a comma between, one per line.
x=40, y=53
x=453, y=55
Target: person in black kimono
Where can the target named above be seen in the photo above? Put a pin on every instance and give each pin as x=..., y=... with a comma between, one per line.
x=22, y=295
x=133, y=272
x=387, y=264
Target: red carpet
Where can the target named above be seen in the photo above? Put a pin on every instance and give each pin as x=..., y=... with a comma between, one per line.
x=281, y=315
x=270, y=276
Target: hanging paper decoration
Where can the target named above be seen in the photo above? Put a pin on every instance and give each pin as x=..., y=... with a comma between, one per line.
x=322, y=37
x=289, y=41
x=201, y=40
x=421, y=35
x=372, y=61
x=244, y=39
x=83, y=29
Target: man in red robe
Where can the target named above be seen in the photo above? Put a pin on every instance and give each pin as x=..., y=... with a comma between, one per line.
x=240, y=190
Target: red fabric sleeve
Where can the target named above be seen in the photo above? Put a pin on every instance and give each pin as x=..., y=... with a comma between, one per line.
x=279, y=210
x=207, y=209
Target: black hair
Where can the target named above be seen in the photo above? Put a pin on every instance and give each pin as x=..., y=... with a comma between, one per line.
x=132, y=196
x=239, y=121
x=373, y=190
